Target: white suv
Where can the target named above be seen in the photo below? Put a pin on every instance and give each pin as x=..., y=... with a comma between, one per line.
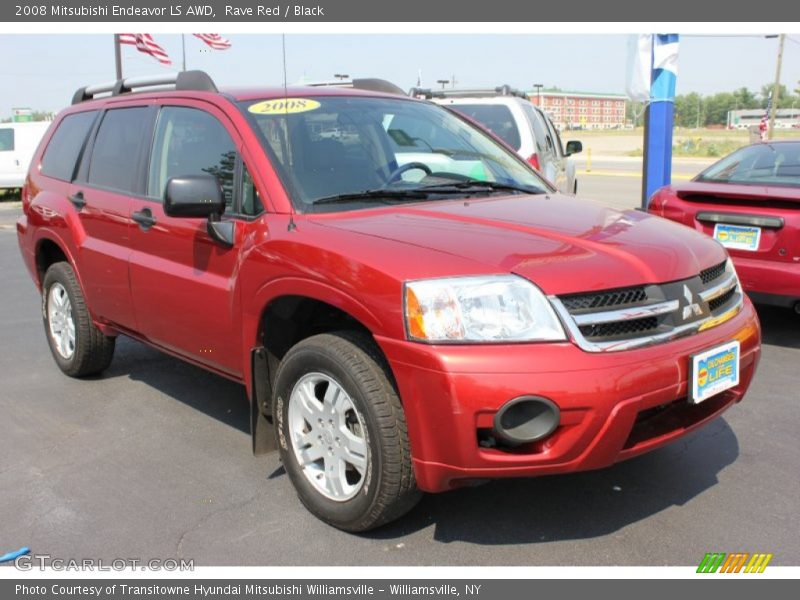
x=511, y=116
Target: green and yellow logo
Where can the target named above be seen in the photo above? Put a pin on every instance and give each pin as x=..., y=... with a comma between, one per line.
x=737, y=562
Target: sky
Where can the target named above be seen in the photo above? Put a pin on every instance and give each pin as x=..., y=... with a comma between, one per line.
x=42, y=71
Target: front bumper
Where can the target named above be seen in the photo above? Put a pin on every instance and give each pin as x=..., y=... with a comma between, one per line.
x=613, y=405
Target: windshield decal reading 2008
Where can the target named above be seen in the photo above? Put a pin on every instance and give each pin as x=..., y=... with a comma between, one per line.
x=284, y=106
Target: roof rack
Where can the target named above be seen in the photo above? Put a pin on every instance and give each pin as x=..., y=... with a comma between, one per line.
x=371, y=84
x=197, y=81
x=501, y=90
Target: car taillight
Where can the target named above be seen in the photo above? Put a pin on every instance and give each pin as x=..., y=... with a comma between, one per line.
x=533, y=160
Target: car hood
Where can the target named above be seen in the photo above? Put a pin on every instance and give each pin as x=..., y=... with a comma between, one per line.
x=559, y=242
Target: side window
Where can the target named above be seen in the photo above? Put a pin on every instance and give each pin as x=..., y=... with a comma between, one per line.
x=543, y=142
x=189, y=141
x=64, y=148
x=6, y=139
x=556, y=137
x=116, y=149
x=251, y=204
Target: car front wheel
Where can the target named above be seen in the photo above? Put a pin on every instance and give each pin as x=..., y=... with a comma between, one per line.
x=342, y=432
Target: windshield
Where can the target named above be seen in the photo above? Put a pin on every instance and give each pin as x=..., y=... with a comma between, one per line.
x=343, y=153
x=761, y=164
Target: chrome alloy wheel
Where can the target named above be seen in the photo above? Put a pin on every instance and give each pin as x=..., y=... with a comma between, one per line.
x=60, y=321
x=328, y=436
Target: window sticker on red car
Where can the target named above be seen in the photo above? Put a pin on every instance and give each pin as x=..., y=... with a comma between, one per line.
x=283, y=106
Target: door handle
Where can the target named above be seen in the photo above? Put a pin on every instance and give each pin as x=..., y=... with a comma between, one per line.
x=78, y=200
x=144, y=218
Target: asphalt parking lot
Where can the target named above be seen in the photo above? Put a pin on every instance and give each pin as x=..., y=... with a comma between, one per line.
x=152, y=460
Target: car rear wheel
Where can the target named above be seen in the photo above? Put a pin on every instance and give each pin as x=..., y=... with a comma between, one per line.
x=78, y=346
x=342, y=432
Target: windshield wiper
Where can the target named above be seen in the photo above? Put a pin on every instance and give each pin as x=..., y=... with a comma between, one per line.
x=385, y=196
x=477, y=186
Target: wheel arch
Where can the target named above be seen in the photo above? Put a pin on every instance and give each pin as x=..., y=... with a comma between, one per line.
x=292, y=312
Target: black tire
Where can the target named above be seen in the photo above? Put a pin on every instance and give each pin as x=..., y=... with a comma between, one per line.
x=93, y=351
x=354, y=362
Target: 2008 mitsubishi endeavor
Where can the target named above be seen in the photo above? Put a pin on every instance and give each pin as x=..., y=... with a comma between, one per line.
x=409, y=305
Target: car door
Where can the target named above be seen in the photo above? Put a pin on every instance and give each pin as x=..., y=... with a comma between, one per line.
x=182, y=281
x=562, y=177
x=109, y=175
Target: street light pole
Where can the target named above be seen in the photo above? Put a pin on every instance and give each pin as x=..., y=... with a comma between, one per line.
x=538, y=87
x=776, y=88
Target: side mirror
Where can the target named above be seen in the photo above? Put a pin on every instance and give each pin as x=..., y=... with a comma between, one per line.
x=573, y=147
x=194, y=196
x=200, y=196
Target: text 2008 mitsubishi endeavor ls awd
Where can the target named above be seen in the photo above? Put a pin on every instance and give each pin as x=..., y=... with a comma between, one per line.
x=409, y=305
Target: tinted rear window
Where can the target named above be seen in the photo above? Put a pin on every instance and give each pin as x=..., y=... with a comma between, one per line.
x=760, y=164
x=66, y=144
x=116, y=149
x=6, y=140
x=495, y=117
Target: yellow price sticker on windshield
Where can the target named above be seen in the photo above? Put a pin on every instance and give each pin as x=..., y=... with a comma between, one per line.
x=284, y=106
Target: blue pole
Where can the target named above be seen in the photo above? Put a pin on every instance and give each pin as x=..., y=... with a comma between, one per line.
x=659, y=120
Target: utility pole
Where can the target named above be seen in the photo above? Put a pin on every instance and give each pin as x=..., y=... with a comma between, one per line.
x=453, y=81
x=183, y=48
x=776, y=89
x=699, y=100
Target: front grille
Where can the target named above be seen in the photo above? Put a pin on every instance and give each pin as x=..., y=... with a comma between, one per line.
x=620, y=328
x=722, y=300
x=625, y=318
x=605, y=299
x=713, y=273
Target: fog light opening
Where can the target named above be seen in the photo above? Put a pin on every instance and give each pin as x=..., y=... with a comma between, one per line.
x=526, y=419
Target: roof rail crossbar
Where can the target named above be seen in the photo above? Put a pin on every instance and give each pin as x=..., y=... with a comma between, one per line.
x=372, y=84
x=197, y=81
x=501, y=90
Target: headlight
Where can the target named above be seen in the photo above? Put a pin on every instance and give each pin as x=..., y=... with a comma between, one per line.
x=495, y=308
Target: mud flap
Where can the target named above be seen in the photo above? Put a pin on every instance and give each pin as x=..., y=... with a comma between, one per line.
x=262, y=427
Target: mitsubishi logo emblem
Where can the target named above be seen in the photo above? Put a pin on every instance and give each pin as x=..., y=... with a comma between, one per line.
x=692, y=309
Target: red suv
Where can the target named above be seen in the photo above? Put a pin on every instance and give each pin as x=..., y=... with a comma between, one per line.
x=409, y=305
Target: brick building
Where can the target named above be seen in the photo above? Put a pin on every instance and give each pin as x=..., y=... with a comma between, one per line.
x=582, y=110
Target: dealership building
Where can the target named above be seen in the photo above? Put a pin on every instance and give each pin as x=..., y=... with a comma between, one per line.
x=584, y=110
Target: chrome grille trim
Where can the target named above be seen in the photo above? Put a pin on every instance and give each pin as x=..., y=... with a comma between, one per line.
x=626, y=314
x=644, y=341
x=669, y=316
x=720, y=289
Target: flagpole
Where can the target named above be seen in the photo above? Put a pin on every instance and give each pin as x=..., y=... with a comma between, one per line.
x=776, y=89
x=183, y=47
x=117, y=56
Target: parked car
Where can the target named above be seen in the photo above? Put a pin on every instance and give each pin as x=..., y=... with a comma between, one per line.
x=749, y=202
x=17, y=144
x=400, y=325
x=512, y=117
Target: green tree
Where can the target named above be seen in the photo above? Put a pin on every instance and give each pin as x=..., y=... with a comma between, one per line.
x=689, y=110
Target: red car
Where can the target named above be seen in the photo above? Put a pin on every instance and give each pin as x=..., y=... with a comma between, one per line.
x=408, y=304
x=750, y=203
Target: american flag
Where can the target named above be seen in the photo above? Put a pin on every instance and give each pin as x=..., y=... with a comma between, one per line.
x=764, y=125
x=144, y=42
x=214, y=40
